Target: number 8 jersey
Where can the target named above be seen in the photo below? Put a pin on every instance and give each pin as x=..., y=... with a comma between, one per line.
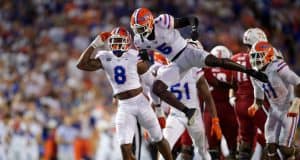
x=167, y=41
x=278, y=90
x=120, y=71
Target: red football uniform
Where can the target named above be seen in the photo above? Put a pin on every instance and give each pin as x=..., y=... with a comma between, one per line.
x=244, y=94
x=225, y=112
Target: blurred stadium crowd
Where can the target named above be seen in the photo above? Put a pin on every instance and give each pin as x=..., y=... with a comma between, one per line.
x=49, y=108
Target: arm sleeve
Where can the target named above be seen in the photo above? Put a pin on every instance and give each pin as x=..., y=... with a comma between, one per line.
x=288, y=75
x=186, y=21
x=143, y=55
x=258, y=92
x=165, y=21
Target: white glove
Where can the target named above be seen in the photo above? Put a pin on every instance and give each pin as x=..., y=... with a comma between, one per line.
x=232, y=101
x=294, y=108
x=97, y=42
x=196, y=44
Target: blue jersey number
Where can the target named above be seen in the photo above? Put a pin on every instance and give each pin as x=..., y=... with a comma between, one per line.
x=163, y=48
x=269, y=90
x=120, y=76
x=176, y=89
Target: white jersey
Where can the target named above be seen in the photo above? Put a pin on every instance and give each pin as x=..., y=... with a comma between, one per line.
x=186, y=89
x=167, y=41
x=278, y=90
x=121, y=71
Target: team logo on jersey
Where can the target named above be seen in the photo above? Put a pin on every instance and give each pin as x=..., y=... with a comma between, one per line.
x=108, y=59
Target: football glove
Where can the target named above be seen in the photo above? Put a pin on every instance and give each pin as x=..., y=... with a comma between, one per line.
x=294, y=108
x=252, y=110
x=99, y=40
x=232, y=101
x=216, y=129
x=258, y=75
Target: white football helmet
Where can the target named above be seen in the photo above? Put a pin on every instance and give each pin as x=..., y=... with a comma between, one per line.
x=253, y=35
x=221, y=52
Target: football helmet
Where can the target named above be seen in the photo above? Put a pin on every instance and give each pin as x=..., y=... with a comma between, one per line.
x=221, y=52
x=142, y=22
x=119, y=41
x=261, y=54
x=253, y=35
x=160, y=58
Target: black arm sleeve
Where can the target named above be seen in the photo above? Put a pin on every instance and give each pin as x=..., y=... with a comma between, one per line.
x=143, y=54
x=225, y=63
x=186, y=21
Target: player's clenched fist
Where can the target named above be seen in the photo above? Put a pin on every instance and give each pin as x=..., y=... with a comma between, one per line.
x=252, y=110
x=99, y=40
x=294, y=108
x=215, y=128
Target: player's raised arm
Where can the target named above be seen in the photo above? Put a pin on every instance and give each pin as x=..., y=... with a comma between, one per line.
x=188, y=21
x=86, y=62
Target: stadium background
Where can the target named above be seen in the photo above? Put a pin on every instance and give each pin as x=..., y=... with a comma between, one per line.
x=41, y=90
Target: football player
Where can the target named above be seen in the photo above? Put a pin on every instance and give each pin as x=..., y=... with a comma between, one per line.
x=219, y=80
x=186, y=90
x=123, y=70
x=161, y=34
x=242, y=98
x=283, y=115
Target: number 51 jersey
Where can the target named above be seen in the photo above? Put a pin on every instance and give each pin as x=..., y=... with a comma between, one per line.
x=120, y=71
x=186, y=90
x=278, y=90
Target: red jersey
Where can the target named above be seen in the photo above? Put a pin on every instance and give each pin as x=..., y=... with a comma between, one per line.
x=219, y=94
x=242, y=79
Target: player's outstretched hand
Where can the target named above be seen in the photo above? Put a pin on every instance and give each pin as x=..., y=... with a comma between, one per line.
x=258, y=75
x=216, y=129
x=294, y=108
x=252, y=110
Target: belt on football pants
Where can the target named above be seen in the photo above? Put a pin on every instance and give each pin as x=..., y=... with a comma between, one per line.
x=178, y=54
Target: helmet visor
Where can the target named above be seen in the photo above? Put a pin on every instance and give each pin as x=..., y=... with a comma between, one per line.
x=140, y=29
x=118, y=43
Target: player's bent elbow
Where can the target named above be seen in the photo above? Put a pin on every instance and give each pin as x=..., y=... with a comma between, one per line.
x=80, y=66
x=85, y=67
